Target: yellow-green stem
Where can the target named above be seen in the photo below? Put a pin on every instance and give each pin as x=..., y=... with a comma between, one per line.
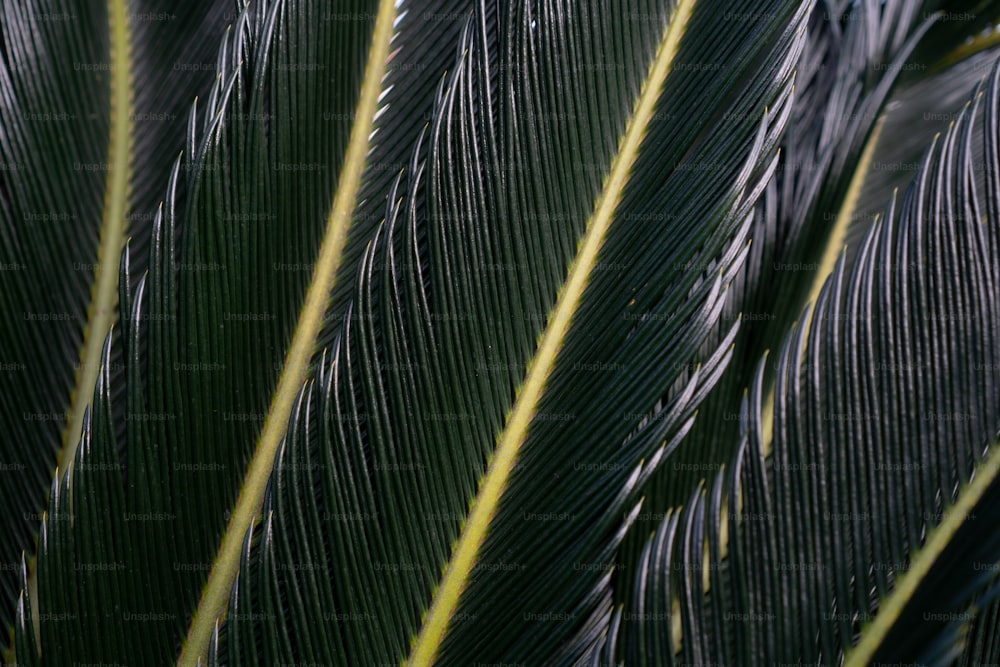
x=225, y=566
x=940, y=537
x=491, y=487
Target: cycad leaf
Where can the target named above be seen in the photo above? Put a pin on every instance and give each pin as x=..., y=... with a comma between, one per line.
x=852, y=532
x=276, y=183
x=81, y=152
x=982, y=634
x=923, y=107
x=549, y=266
x=853, y=55
x=414, y=71
x=216, y=311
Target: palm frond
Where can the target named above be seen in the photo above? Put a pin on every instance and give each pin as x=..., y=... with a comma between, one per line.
x=427, y=499
x=207, y=333
x=919, y=110
x=854, y=53
x=409, y=354
x=239, y=260
x=854, y=536
x=67, y=202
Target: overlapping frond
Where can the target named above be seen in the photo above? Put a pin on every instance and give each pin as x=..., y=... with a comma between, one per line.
x=870, y=529
x=206, y=331
x=923, y=107
x=454, y=480
x=134, y=530
x=434, y=294
x=854, y=53
x=62, y=223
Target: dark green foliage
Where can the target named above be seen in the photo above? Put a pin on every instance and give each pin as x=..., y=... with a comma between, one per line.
x=646, y=504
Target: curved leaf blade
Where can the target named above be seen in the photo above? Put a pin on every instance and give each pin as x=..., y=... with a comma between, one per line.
x=300, y=351
x=249, y=198
x=452, y=299
x=73, y=184
x=885, y=409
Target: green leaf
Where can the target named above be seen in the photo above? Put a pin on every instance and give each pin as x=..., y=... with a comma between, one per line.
x=447, y=474
x=915, y=114
x=854, y=536
x=854, y=53
x=81, y=168
x=217, y=337
x=408, y=356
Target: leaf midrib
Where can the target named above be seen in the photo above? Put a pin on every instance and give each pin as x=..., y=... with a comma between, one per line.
x=114, y=224
x=225, y=566
x=104, y=291
x=891, y=607
x=459, y=568
x=834, y=248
